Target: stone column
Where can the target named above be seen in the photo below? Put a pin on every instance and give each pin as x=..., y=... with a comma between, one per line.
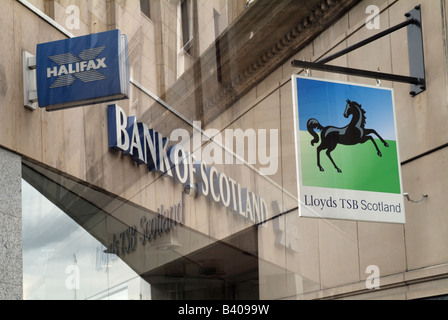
x=11, y=268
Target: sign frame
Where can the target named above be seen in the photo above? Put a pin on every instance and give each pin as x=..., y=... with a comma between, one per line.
x=333, y=189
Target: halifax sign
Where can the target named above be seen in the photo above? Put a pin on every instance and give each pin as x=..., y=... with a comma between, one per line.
x=84, y=70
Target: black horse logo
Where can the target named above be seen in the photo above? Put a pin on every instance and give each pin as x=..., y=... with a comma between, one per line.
x=351, y=134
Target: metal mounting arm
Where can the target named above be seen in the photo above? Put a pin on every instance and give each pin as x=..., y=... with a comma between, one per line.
x=417, y=78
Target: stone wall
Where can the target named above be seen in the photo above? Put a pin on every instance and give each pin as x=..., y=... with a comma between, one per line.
x=10, y=226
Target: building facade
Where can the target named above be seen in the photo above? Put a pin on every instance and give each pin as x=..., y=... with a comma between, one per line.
x=82, y=220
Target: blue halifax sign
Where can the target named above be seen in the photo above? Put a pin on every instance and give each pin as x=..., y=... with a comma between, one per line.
x=83, y=70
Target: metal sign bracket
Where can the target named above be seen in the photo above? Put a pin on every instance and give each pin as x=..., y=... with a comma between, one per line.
x=417, y=77
x=29, y=80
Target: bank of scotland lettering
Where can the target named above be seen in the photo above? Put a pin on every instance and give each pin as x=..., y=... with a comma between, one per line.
x=84, y=70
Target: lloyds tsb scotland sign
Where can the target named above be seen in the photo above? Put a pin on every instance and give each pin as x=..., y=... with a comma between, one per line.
x=346, y=151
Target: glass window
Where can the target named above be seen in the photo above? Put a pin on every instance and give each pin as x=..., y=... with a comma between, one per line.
x=145, y=7
x=187, y=24
x=82, y=243
x=63, y=257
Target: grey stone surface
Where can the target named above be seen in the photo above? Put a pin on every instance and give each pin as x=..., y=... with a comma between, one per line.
x=11, y=265
x=10, y=183
x=10, y=249
x=10, y=292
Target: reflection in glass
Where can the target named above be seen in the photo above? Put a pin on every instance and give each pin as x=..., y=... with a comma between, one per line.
x=61, y=260
x=82, y=243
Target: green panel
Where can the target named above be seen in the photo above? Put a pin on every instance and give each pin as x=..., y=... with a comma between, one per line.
x=362, y=168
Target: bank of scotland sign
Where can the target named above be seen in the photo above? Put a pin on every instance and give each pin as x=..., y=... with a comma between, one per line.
x=83, y=70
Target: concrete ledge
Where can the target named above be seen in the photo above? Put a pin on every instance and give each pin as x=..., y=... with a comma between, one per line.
x=415, y=284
